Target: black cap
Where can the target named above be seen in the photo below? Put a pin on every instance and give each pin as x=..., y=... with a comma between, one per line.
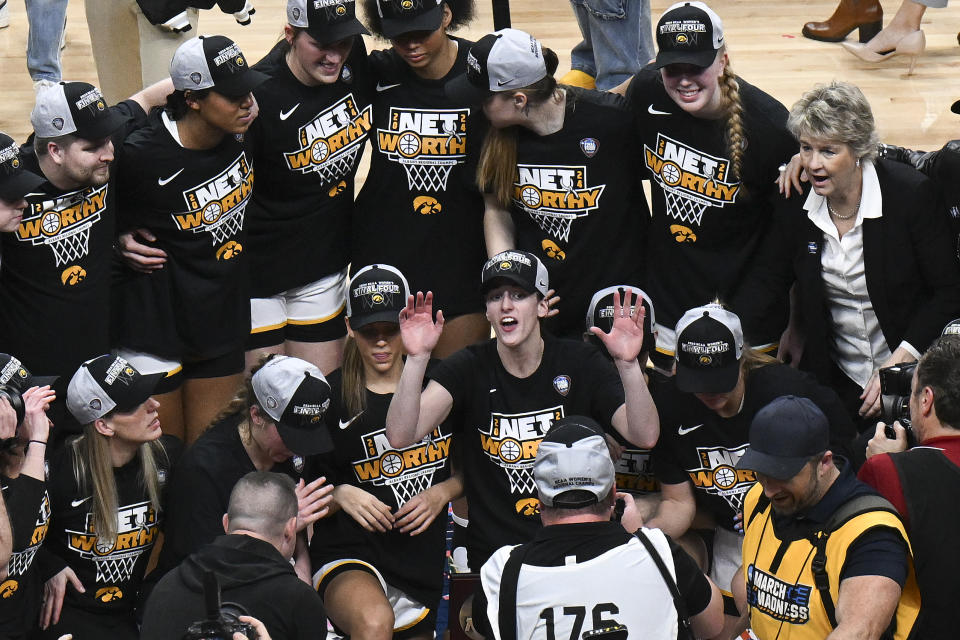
x=376, y=293
x=326, y=21
x=952, y=328
x=73, y=107
x=15, y=181
x=784, y=435
x=295, y=395
x=213, y=62
x=600, y=312
x=688, y=33
x=108, y=383
x=517, y=267
x=398, y=17
x=13, y=373
x=709, y=346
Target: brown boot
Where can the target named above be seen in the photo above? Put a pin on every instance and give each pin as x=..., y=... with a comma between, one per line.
x=849, y=15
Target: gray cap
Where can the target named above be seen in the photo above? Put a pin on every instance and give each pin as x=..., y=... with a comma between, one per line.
x=295, y=395
x=106, y=383
x=505, y=60
x=73, y=107
x=213, y=62
x=573, y=456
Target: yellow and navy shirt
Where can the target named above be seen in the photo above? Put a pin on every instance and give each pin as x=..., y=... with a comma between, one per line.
x=777, y=554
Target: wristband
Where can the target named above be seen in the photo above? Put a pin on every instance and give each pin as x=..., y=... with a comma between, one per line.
x=43, y=442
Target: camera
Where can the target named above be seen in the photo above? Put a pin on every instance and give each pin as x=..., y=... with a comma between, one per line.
x=223, y=620
x=13, y=396
x=895, y=394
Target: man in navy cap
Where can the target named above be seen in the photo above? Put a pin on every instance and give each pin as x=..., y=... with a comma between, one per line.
x=821, y=551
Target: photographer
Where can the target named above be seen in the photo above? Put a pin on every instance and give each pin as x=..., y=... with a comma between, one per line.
x=252, y=564
x=24, y=429
x=906, y=479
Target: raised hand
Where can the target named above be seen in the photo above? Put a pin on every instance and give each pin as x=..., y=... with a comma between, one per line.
x=625, y=340
x=417, y=328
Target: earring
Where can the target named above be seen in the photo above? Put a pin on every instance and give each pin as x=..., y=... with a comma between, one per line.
x=858, y=162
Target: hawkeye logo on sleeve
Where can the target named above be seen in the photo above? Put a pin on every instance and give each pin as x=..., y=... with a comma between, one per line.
x=554, y=196
x=718, y=475
x=330, y=143
x=692, y=180
x=428, y=143
x=511, y=443
x=406, y=471
x=64, y=225
x=136, y=532
x=778, y=599
x=217, y=205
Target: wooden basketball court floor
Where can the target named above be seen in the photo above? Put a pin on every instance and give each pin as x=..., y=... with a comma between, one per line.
x=763, y=38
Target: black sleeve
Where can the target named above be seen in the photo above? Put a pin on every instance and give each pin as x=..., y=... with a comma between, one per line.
x=607, y=386
x=691, y=583
x=763, y=292
x=935, y=252
x=23, y=496
x=456, y=375
x=842, y=429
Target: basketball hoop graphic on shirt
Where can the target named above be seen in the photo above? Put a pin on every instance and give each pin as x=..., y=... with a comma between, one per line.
x=426, y=143
x=64, y=224
x=555, y=196
x=512, y=442
x=217, y=205
x=718, y=474
x=691, y=180
x=407, y=471
x=330, y=143
x=115, y=559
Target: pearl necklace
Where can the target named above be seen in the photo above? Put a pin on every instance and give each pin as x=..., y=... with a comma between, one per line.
x=840, y=217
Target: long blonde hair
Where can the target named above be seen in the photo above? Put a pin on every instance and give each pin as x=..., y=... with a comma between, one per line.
x=353, y=386
x=498, y=158
x=736, y=135
x=93, y=473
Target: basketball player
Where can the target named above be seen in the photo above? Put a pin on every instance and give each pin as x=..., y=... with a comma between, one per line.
x=315, y=117
x=508, y=391
x=379, y=561
x=187, y=177
x=560, y=167
x=419, y=209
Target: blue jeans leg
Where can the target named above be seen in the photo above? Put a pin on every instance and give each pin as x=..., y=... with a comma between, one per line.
x=46, y=18
x=617, y=39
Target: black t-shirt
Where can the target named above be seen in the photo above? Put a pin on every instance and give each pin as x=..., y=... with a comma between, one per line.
x=699, y=446
x=706, y=223
x=362, y=457
x=196, y=307
x=55, y=272
x=578, y=203
x=499, y=420
x=110, y=571
x=200, y=488
x=306, y=143
x=419, y=209
x=28, y=507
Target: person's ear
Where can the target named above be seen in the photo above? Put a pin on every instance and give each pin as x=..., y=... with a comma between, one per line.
x=191, y=100
x=103, y=428
x=520, y=100
x=926, y=401
x=724, y=61
x=447, y=17
x=346, y=321
x=542, y=308
x=289, y=34
x=256, y=417
x=226, y=523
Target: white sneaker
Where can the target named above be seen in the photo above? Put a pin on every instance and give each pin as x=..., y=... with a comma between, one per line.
x=4, y=14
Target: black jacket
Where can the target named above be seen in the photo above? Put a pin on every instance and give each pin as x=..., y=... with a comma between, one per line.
x=252, y=573
x=913, y=277
x=159, y=11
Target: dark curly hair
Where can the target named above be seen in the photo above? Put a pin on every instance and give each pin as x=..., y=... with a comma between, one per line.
x=176, y=106
x=462, y=10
